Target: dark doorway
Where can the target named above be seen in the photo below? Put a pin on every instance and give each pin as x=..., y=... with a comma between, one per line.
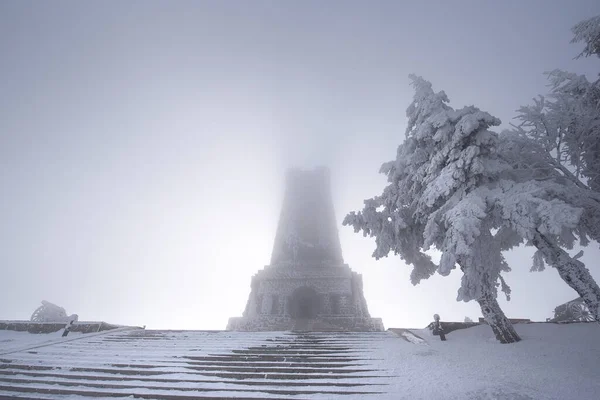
x=304, y=303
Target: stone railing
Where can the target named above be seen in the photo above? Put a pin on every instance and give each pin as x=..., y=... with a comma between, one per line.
x=50, y=327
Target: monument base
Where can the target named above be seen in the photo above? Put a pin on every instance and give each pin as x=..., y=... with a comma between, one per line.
x=319, y=324
x=288, y=297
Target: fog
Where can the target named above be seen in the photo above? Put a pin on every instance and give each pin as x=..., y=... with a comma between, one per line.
x=143, y=144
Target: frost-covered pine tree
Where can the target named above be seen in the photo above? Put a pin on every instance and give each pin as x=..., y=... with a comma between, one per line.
x=538, y=181
x=566, y=122
x=588, y=31
x=453, y=187
x=436, y=197
x=549, y=215
x=558, y=144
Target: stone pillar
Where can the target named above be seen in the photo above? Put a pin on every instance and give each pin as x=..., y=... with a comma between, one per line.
x=307, y=233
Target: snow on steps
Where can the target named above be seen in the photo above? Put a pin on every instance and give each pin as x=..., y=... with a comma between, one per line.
x=55, y=340
x=202, y=364
x=408, y=335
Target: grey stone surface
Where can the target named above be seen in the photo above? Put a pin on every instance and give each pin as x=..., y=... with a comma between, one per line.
x=307, y=286
x=191, y=365
x=49, y=327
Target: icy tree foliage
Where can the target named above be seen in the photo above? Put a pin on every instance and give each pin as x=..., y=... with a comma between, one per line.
x=532, y=162
x=566, y=122
x=557, y=145
x=588, y=31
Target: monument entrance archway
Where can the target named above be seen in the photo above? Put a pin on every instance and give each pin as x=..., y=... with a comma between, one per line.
x=304, y=303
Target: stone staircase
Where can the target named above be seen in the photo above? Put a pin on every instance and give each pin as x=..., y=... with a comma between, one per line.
x=202, y=365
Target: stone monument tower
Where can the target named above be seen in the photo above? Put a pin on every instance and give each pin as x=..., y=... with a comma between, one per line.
x=307, y=286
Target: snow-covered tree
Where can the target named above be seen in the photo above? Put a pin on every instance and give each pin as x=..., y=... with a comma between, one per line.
x=566, y=122
x=588, y=31
x=452, y=187
x=434, y=200
x=557, y=144
x=545, y=214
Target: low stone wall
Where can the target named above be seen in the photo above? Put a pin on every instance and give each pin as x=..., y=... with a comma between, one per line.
x=259, y=324
x=49, y=327
x=512, y=320
x=321, y=324
x=454, y=326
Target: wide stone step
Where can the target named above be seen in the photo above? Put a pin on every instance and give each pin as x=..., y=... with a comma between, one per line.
x=149, y=369
x=286, y=362
x=324, y=342
x=268, y=364
x=181, y=380
x=330, y=334
x=289, y=369
x=216, y=357
x=283, y=351
x=175, y=387
x=27, y=367
x=129, y=339
x=224, y=373
x=302, y=347
x=269, y=367
x=143, y=395
x=231, y=374
x=274, y=358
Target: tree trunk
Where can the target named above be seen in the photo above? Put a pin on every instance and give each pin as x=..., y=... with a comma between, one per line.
x=572, y=271
x=494, y=316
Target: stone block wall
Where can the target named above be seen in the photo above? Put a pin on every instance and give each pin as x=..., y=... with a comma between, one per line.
x=50, y=327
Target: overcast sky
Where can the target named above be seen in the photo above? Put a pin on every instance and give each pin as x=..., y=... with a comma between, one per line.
x=143, y=144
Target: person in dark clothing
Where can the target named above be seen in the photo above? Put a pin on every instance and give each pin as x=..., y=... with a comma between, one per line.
x=438, y=329
x=68, y=328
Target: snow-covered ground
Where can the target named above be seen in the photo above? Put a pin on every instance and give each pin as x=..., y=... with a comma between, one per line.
x=554, y=362
x=551, y=362
x=11, y=340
